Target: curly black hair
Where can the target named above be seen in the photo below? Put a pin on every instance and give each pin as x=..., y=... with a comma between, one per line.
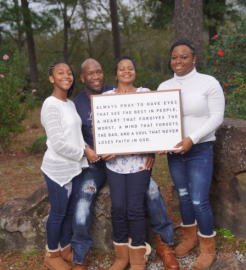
x=122, y=58
x=51, y=69
x=186, y=42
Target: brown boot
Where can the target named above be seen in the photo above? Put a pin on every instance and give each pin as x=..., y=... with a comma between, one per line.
x=67, y=254
x=123, y=258
x=82, y=266
x=54, y=261
x=207, y=256
x=189, y=241
x=165, y=253
x=138, y=256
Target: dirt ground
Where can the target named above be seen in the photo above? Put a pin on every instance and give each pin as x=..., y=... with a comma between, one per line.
x=21, y=175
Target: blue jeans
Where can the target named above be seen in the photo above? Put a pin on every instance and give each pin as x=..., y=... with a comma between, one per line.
x=127, y=195
x=62, y=200
x=93, y=179
x=192, y=176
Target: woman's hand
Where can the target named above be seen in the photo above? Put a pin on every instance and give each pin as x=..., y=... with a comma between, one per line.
x=91, y=155
x=150, y=161
x=186, y=144
x=164, y=152
x=108, y=157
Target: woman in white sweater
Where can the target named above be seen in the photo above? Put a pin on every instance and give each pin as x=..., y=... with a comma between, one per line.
x=62, y=164
x=191, y=166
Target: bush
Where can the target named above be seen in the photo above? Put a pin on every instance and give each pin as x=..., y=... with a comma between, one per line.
x=227, y=55
x=38, y=146
x=15, y=100
x=236, y=101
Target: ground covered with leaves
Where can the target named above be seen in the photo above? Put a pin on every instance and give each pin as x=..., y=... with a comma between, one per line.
x=21, y=175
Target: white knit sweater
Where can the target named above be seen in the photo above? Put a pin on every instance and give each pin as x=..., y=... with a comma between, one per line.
x=64, y=158
x=203, y=104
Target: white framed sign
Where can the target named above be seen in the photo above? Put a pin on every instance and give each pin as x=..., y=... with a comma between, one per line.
x=133, y=123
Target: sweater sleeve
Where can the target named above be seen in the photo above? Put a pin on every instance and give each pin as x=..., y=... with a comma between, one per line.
x=52, y=124
x=216, y=107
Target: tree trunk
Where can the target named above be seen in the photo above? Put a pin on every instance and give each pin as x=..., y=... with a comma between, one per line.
x=115, y=29
x=85, y=20
x=217, y=17
x=188, y=24
x=30, y=42
x=20, y=40
x=66, y=26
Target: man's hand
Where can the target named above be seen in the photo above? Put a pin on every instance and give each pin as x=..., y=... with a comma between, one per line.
x=91, y=155
x=108, y=157
x=186, y=144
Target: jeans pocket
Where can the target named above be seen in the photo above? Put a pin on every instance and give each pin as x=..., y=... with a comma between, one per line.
x=204, y=146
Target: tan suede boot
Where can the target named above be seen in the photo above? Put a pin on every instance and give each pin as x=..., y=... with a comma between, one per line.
x=138, y=256
x=123, y=258
x=189, y=241
x=67, y=254
x=207, y=256
x=54, y=261
x=165, y=253
x=82, y=266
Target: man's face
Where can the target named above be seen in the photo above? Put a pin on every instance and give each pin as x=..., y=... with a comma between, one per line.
x=92, y=76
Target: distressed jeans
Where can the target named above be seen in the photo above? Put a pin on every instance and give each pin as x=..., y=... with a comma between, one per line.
x=62, y=201
x=192, y=176
x=92, y=180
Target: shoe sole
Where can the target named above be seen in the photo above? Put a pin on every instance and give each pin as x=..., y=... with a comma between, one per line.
x=207, y=267
x=49, y=267
x=180, y=257
x=158, y=256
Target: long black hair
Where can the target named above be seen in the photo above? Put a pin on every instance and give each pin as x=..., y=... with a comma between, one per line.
x=51, y=69
x=123, y=58
x=186, y=42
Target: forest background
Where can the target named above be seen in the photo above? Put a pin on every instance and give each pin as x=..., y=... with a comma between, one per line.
x=36, y=33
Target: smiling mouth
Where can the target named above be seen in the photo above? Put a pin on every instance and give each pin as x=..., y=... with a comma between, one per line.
x=96, y=83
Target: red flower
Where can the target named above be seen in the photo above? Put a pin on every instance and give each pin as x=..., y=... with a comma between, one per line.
x=232, y=46
x=216, y=36
x=226, y=84
x=226, y=91
x=243, y=45
x=231, y=78
x=220, y=53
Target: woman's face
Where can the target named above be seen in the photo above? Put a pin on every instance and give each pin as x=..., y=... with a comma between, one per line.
x=62, y=77
x=182, y=60
x=126, y=72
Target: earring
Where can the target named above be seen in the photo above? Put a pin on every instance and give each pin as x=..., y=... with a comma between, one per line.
x=194, y=62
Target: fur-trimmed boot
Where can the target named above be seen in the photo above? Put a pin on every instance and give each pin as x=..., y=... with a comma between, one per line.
x=138, y=256
x=82, y=266
x=165, y=253
x=189, y=242
x=67, y=254
x=122, y=254
x=54, y=261
x=207, y=256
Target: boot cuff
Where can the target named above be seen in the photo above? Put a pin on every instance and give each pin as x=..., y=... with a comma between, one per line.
x=64, y=247
x=124, y=244
x=147, y=247
x=191, y=225
x=52, y=250
x=207, y=236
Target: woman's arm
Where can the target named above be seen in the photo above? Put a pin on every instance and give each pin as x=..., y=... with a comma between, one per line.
x=216, y=108
x=52, y=121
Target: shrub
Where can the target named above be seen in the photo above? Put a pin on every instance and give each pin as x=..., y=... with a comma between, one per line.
x=38, y=146
x=236, y=101
x=15, y=100
x=227, y=55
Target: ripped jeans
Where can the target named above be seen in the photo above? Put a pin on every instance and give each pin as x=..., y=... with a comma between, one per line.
x=92, y=180
x=62, y=200
x=192, y=175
